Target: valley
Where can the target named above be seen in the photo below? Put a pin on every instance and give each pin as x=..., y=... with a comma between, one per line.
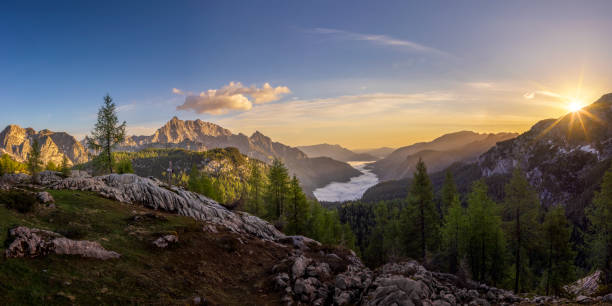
x=351, y=190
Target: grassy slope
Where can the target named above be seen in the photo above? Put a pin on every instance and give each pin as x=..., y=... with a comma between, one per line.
x=214, y=266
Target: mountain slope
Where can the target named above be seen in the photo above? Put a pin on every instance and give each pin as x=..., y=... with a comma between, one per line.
x=335, y=152
x=16, y=142
x=379, y=153
x=199, y=136
x=437, y=154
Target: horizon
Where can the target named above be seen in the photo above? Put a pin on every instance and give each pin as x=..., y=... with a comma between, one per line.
x=305, y=74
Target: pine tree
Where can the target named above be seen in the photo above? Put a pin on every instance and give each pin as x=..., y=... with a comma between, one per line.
x=521, y=206
x=34, y=162
x=599, y=239
x=276, y=193
x=559, y=267
x=420, y=217
x=106, y=134
x=297, y=209
x=449, y=192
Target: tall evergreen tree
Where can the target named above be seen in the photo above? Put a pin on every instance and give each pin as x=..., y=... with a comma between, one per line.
x=599, y=239
x=106, y=134
x=559, y=267
x=34, y=162
x=256, y=186
x=278, y=185
x=420, y=216
x=297, y=209
x=449, y=192
x=65, y=167
x=453, y=233
x=521, y=206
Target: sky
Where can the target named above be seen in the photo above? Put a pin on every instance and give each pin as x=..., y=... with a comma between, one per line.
x=361, y=74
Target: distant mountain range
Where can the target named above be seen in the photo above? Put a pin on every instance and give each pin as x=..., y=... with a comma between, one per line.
x=437, y=154
x=198, y=135
x=17, y=142
x=336, y=152
x=380, y=153
x=564, y=159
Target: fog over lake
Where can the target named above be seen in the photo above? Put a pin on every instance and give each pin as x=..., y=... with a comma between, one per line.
x=352, y=190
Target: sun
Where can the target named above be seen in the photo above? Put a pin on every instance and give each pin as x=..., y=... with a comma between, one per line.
x=574, y=106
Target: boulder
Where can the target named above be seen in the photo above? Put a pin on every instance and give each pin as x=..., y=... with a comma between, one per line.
x=587, y=285
x=45, y=197
x=299, y=266
x=164, y=241
x=36, y=242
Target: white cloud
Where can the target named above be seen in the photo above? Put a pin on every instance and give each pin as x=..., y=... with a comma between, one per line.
x=531, y=95
x=230, y=97
x=380, y=39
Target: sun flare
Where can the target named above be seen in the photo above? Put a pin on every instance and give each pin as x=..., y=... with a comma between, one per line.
x=574, y=106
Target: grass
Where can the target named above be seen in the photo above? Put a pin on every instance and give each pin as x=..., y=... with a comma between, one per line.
x=200, y=265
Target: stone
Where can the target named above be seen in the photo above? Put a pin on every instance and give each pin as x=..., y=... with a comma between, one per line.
x=584, y=299
x=36, y=243
x=299, y=266
x=587, y=285
x=164, y=241
x=607, y=298
x=45, y=197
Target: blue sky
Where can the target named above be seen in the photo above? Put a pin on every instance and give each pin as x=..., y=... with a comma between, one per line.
x=358, y=73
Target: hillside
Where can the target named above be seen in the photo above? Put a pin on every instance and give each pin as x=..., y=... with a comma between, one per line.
x=200, y=136
x=336, y=152
x=163, y=258
x=438, y=154
x=17, y=143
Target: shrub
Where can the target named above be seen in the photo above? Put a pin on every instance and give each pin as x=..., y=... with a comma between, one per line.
x=19, y=201
x=124, y=166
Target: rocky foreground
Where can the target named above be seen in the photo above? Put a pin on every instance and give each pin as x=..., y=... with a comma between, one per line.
x=296, y=270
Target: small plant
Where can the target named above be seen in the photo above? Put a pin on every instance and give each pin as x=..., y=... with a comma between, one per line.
x=124, y=166
x=19, y=201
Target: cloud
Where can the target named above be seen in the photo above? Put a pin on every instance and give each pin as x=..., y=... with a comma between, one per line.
x=531, y=95
x=379, y=39
x=233, y=96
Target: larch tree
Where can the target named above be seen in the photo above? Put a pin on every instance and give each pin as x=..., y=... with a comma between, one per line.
x=521, y=206
x=453, y=233
x=449, y=192
x=106, y=134
x=256, y=186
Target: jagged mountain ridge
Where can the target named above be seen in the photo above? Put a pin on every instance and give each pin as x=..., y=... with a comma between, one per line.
x=336, y=152
x=564, y=158
x=437, y=154
x=198, y=135
x=17, y=143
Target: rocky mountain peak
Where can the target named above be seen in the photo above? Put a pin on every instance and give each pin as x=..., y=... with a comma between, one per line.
x=607, y=98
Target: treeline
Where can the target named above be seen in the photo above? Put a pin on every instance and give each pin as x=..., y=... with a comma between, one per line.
x=513, y=243
x=270, y=193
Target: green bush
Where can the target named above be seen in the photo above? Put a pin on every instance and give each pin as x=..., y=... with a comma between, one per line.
x=124, y=166
x=19, y=201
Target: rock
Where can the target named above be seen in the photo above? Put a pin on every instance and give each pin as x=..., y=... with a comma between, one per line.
x=299, y=242
x=281, y=281
x=306, y=287
x=132, y=189
x=45, y=197
x=299, y=266
x=586, y=286
x=607, y=298
x=18, y=178
x=584, y=299
x=164, y=241
x=35, y=243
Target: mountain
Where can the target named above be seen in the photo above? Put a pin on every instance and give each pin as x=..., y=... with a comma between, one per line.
x=16, y=142
x=200, y=136
x=379, y=153
x=437, y=154
x=564, y=159
x=336, y=152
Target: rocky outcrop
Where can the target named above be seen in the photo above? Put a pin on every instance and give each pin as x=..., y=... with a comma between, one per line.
x=17, y=142
x=587, y=285
x=34, y=242
x=132, y=189
x=164, y=241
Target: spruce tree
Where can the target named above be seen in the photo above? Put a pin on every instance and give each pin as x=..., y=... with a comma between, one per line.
x=521, y=206
x=34, y=162
x=453, y=233
x=560, y=257
x=65, y=167
x=278, y=185
x=599, y=238
x=256, y=186
x=420, y=216
x=106, y=134
x=297, y=208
